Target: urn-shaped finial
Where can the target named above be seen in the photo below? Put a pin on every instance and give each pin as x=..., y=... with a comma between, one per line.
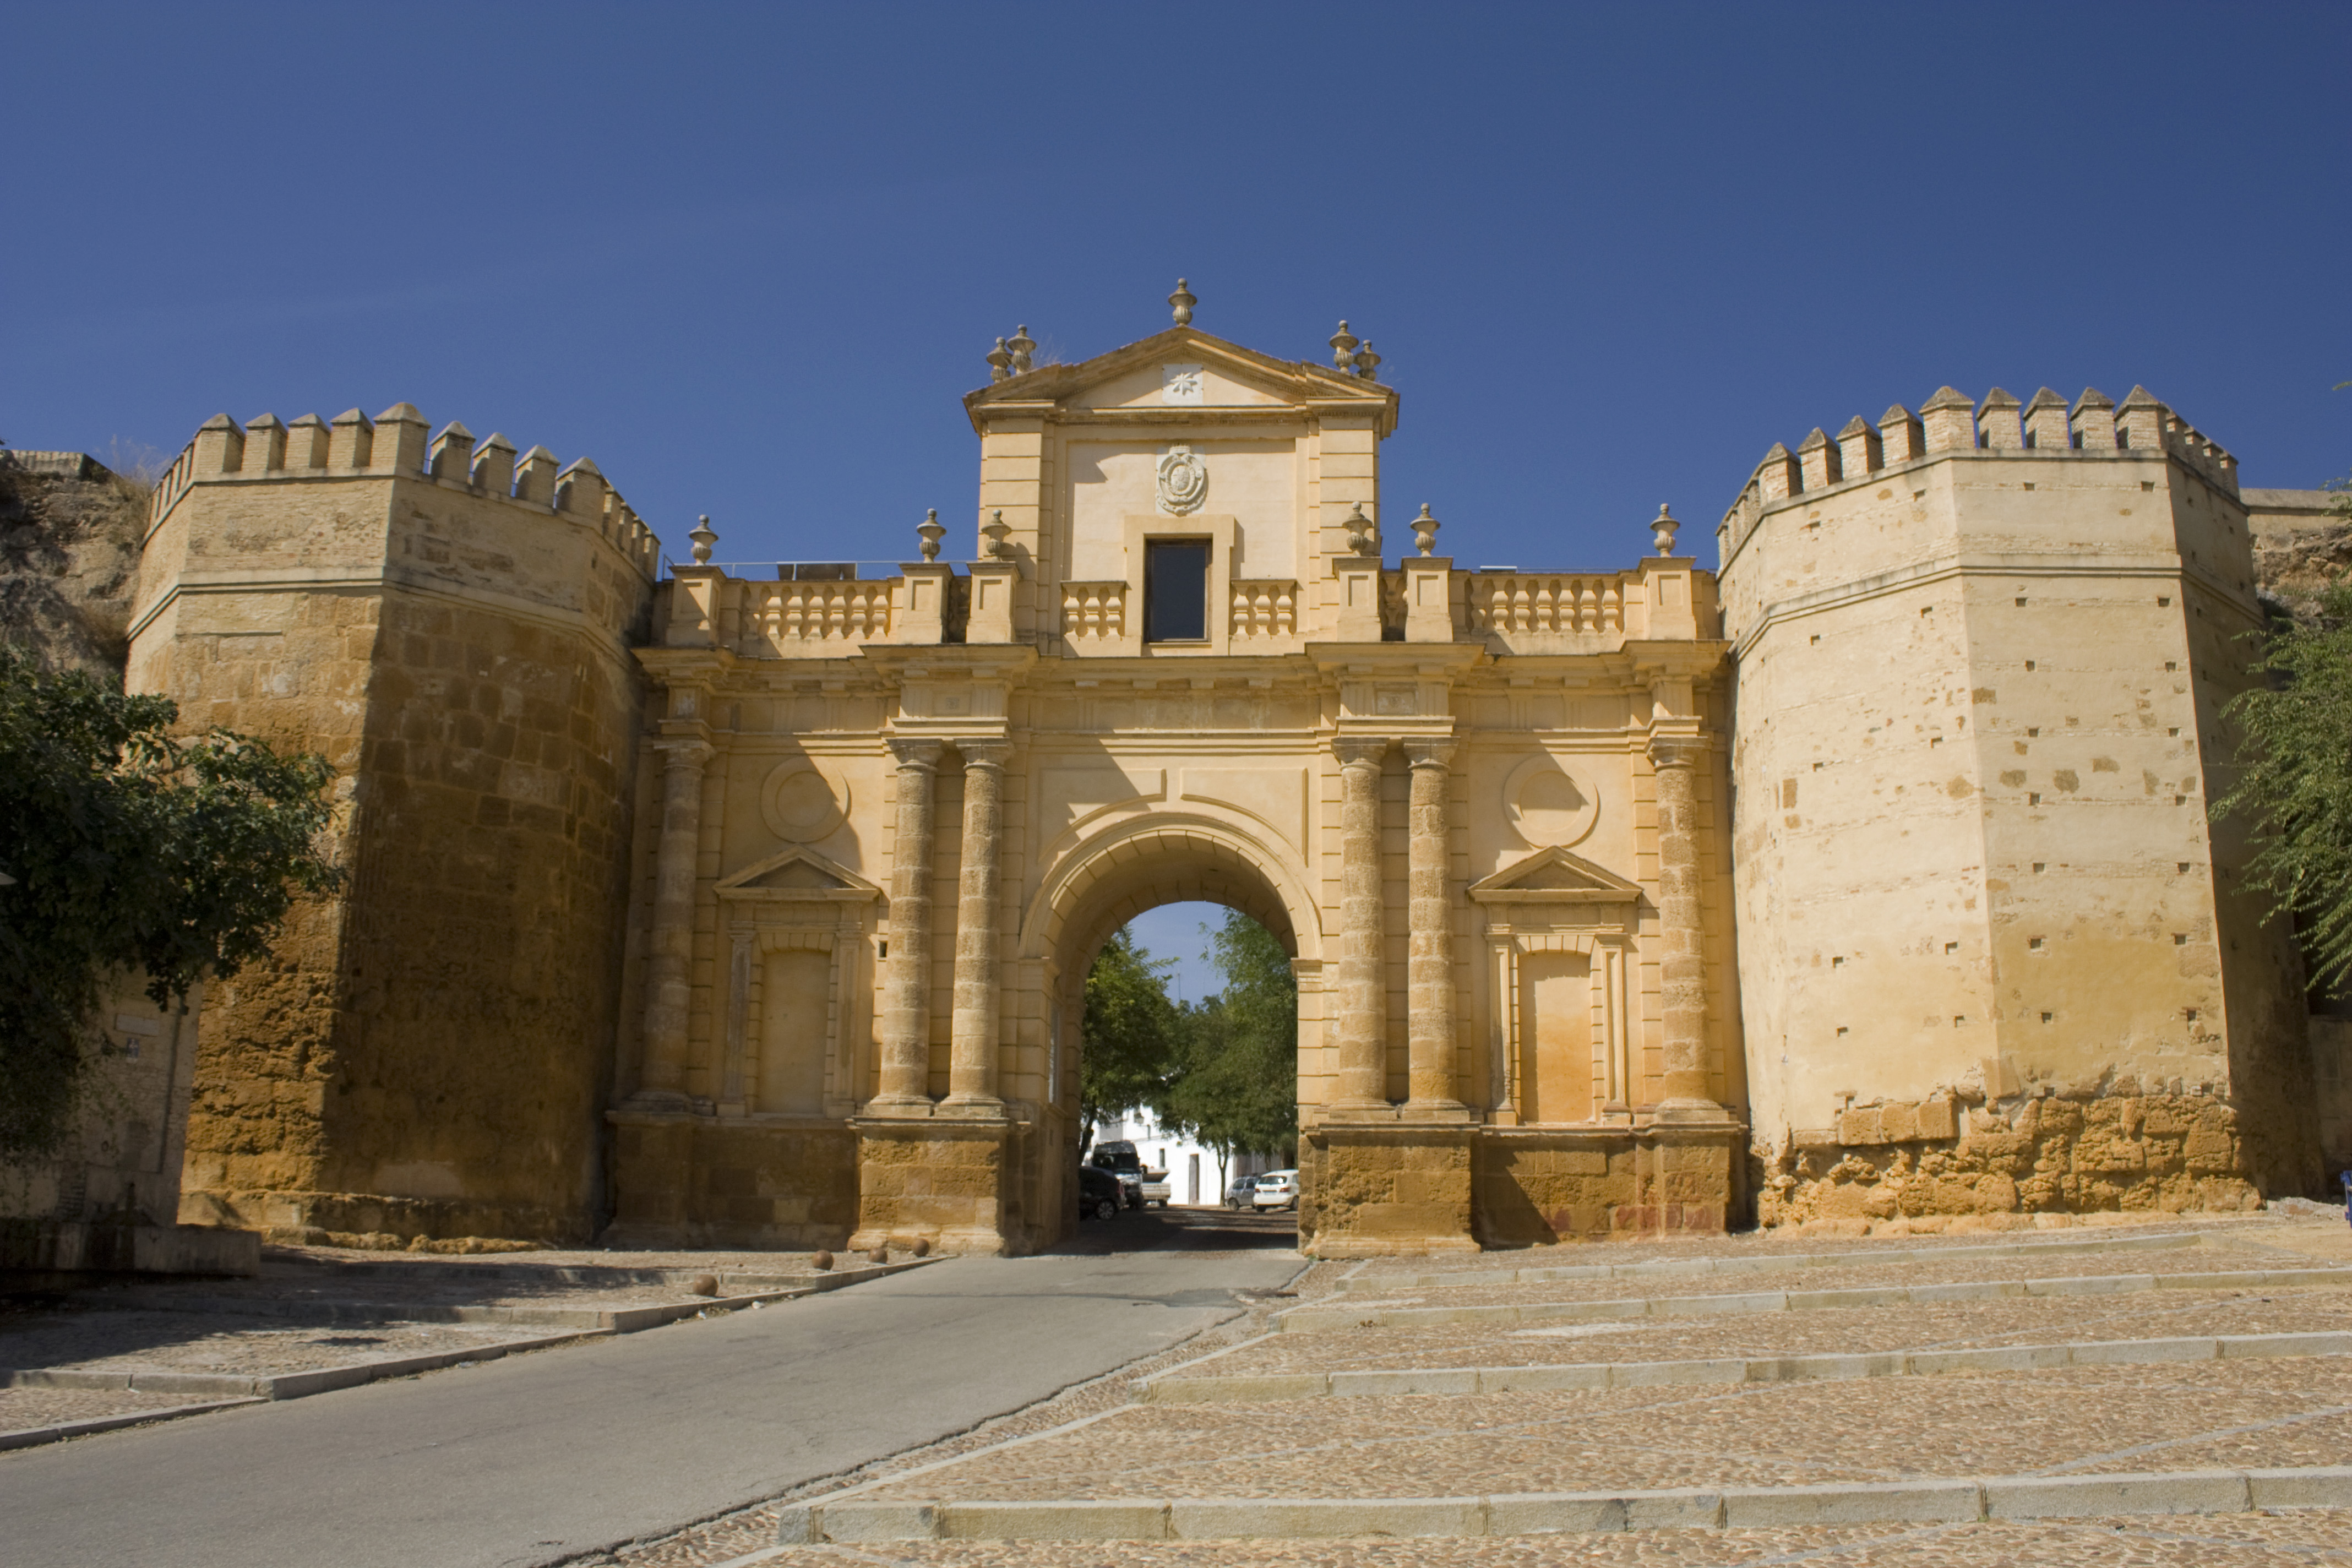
x=996, y=528
x=1367, y=361
x=704, y=536
x=999, y=362
x=1023, y=345
x=1363, y=537
x=1183, y=302
x=932, y=531
x=1343, y=348
x=1661, y=529
x=1424, y=531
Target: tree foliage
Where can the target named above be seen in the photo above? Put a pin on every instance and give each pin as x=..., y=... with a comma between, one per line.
x=1237, y=1090
x=1128, y=1053
x=128, y=850
x=2295, y=780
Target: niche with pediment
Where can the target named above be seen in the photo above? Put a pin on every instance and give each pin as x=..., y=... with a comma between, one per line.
x=1560, y=942
x=798, y=928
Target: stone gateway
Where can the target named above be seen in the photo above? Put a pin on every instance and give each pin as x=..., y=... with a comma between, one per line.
x=722, y=907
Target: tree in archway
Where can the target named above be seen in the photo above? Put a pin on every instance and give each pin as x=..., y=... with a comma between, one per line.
x=1236, y=1087
x=1128, y=1059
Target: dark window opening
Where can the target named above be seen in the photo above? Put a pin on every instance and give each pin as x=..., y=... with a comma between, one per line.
x=1176, y=591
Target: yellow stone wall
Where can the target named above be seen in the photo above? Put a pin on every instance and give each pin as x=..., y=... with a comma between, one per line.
x=427, y=1052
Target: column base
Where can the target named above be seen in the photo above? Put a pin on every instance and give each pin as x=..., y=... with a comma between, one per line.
x=1386, y=1188
x=940, y=1179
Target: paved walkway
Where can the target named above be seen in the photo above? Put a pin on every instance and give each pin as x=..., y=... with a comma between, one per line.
x=543, y=1456
x=2179, y=1391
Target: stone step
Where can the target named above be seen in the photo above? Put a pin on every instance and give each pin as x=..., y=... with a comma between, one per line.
x=1771, y=1263
x=1271, y=1386
x=1316, y=1319
x=1925, y=1500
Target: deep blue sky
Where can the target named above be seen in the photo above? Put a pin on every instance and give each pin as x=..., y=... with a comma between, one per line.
x=748, y=257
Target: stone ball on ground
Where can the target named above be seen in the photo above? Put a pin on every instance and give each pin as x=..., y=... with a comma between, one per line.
x=703, y=1284
x=922, y=1248
x=879, y=1255
x=821, y=1261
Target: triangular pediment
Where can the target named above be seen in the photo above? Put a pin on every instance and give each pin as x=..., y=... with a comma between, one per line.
x=1555, y=875
x=1130, y=378
x=796, y=873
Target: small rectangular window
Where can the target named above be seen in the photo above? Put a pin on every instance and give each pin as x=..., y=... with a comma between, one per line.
x=1176, y=590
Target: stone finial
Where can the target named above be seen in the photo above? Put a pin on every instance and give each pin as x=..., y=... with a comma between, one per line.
x=995, y=529
x=1367, y=362
x=1182, y=302
x=1022, y=346
x=1424, y=531
x=1661, y=529
x=1363, y=537
x=704, y=536
x=1343, y=348
x=999, y=362
x=932, y=531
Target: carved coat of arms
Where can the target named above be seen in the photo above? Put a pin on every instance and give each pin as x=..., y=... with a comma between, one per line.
x=1183, y=482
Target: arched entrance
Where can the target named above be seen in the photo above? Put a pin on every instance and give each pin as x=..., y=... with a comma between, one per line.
x=1099, y=880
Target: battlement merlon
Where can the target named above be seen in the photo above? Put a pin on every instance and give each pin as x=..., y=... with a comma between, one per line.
x=1950, y=423
x=397, y=444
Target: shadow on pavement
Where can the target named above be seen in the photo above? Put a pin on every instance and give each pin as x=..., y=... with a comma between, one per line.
x=1183, y=1230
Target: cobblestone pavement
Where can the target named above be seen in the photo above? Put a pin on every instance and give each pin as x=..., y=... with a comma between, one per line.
x=2062, y=1421
x=24, y=1408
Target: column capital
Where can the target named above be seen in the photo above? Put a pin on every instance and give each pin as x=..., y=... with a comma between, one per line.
x=914, y=751
x=1677, y=751
x=685, y=753
x=1430, y=754
x=1351, y=750
x=984, y=753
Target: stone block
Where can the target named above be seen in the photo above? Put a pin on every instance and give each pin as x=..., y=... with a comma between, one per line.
x=2319, y=1486
x=1110, y=1518
x=1323, y=1519
x=2093, y=1497
x=2249, y=1347
x=856, y=1522
x=1847, y=1502
x=1237, y=1389
x=1654, y=1373
x=1543, y=1379
x=1860, y=1127
x=1995, y=1358
x=1401, y=1380
x=2140, y=1352
x=1555, y=1513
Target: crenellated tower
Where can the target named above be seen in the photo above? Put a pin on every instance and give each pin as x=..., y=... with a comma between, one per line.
x=450, y=623
x=1994, y=956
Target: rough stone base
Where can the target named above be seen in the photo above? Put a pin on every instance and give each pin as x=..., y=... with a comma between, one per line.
x=2169, y=1152
x=96, y=1247
x=1385, y=1189
x=372, y=1219
x=691, y=1180
x=1537, y=1185
x=940, y=1180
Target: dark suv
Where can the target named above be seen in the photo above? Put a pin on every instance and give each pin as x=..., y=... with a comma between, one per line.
x=1100, y=1196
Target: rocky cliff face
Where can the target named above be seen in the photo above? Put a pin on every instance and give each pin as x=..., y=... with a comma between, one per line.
x=70, y=534
x=2303, y=544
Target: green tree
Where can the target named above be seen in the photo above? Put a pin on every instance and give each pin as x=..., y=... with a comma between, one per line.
x=1129, y=1056
x=1237, y=1088
x=2295, y=780
x=127, y=850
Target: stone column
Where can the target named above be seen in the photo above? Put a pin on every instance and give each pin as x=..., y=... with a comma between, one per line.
x=1682, y=968
x=669, y=949
x=1430, y=962
x=971, y=1071
x=1361, y=1003
x=907, y=985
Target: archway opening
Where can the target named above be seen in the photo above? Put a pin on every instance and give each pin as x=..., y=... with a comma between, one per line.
x=1175, y=995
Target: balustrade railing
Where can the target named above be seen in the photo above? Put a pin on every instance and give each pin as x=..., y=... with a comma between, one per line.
x=1093, y=612
x=788, y=616
x=1543, y=602
x=1263, y=609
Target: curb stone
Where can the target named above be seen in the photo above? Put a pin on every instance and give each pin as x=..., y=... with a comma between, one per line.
x=1834, y=1367
x=1923, y=1501
x=34, y=1436
x=1312, y=1319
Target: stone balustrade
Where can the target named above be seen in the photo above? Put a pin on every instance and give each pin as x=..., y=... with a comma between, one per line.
x=1543, y=602
x=780, y=619
x=1263, y=609
x=1094, y=613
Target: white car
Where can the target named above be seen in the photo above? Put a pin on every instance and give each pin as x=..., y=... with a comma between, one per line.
x=1277, y=1190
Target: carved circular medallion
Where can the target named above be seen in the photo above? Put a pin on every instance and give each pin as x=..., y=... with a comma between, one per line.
x=1547, y=808
x=801, y=803
x=1183, y=482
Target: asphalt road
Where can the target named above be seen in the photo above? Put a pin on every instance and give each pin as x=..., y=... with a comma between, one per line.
x=533, y=1459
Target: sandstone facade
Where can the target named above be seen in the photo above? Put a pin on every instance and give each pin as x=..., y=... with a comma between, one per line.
x=735, y=908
